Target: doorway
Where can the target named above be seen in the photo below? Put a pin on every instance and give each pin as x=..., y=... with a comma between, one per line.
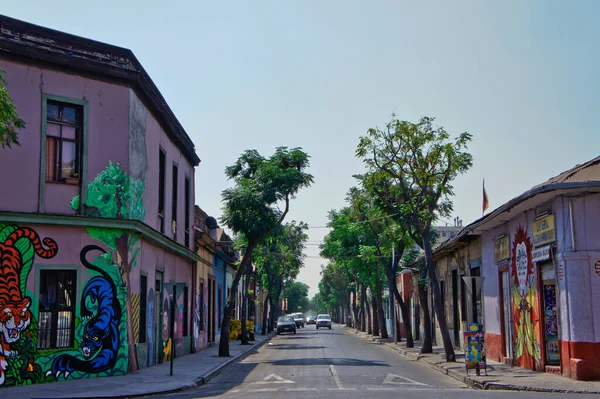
x=506, y=316
x=455, y=315
x=158, y=309
x=550, y=315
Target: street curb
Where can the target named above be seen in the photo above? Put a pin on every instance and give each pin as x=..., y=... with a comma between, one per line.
x=203, y=379
x=483, y=385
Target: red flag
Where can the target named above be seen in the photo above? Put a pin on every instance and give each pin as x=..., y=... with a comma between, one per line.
x=486, y=203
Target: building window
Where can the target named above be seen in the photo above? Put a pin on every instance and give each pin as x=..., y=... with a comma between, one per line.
x=201, y=305
x=174, y=201
x=143, y=304
x=185, y=311
x=162, y=173
x=56, y=309
x=64, y=132
x=187, y=211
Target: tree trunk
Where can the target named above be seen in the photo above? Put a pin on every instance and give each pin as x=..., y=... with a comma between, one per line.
x=381, y=317
x=403, y=308
x=375, y=316
x=438, y=300
x=264, y=318
x=224, y=341
x=427, y=346
x=244, y=309
x=363, y=301
x=369, y=316
x=122, y=246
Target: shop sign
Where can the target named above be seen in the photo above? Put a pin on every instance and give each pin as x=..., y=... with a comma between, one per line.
x=501, y=249
x=597, y=265
x=541, y=254
x=543, y=231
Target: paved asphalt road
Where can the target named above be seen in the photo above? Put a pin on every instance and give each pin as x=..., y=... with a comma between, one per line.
x=336, y=364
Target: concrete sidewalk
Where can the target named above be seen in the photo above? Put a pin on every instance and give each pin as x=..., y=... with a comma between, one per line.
x=189, y=371
x=499, y=375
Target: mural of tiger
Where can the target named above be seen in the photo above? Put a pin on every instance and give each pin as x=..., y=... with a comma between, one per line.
x=15, y=315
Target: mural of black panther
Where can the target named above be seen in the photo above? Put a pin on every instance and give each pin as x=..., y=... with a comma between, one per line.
x=100, y=341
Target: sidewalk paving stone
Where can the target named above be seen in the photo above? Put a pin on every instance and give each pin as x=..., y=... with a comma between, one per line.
x=189, y=371
x=499, y=376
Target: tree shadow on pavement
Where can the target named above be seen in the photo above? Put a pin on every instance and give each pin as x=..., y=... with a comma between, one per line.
x=294, y=346
x=327, y=362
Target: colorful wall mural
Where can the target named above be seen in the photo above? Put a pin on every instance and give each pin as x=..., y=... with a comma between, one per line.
x=99, y=341
x=115, y=194
x=525, y=313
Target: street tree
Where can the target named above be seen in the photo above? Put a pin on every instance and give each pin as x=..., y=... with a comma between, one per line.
x=345, y=245
x=296, y=293
x=389, y=237
x=9, y=118
x=278, y=259
x=252, y=206
x=423, y=162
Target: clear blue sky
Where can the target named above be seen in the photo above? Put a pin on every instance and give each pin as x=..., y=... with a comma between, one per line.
x=522, y=76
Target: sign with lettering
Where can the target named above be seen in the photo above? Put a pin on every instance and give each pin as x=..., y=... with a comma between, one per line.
x=561, y=271
x=541, y=254
x=597, y=265
x=543, y=231
x=501, y=249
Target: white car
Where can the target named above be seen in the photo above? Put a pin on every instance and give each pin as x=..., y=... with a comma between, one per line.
x=323, y=320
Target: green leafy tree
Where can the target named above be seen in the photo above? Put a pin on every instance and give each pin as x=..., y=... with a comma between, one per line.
x=422, y=161
x=251, y=206
x=9, y=118
x=115, y=194
x=296, y=293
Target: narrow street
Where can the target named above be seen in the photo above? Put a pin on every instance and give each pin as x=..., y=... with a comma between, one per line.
x=335, y=363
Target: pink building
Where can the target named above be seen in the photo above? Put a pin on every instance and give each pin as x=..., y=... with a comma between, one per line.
x=96, y=219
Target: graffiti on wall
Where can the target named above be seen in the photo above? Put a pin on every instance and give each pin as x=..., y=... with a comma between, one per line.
x=116, y=194
x=18, y=351
x=150, y=327
x=524, y=303
x=101, y=315
x=98, y=332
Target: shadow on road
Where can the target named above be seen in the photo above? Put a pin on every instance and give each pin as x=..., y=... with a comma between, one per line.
x=327, y=362
x=294, y=346
x=229, y=379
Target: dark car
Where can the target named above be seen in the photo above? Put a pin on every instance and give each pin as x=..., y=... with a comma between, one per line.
x=298, y=318
x=286, y=324
x=311, y=320
x=323, y=320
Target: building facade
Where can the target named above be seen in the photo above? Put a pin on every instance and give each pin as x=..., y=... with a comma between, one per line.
x=532, y=269
x=95, y=228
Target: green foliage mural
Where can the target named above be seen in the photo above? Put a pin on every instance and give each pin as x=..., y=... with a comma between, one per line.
x=116, y=194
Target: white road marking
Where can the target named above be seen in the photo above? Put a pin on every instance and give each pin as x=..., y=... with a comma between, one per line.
x=301, y=389
x=278, y=380
x=393, y=379
x=338, y=382
x=263, y=390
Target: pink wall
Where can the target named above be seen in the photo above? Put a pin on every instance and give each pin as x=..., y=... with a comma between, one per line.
x=155, y=139
x=107, y=132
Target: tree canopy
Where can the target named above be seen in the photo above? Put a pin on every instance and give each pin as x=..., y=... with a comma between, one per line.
x=9, y=118
x=252, y=207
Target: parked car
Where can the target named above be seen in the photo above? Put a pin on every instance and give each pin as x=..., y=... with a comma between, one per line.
x=299, y=319
x=323, y=320
x=286, y=324
x=311, y=320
